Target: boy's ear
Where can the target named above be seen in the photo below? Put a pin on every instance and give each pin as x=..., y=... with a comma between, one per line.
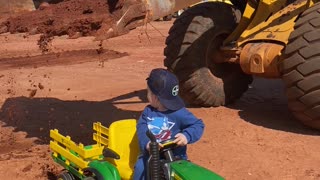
x=155, y=97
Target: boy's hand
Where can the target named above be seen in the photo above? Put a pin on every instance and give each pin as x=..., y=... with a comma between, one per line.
x=181, y=139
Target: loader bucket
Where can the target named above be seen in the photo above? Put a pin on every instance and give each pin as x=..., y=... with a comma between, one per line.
x=14, y=6
x=136, y=13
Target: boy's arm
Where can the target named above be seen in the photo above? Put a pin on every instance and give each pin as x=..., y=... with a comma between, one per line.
x=142, y=128
x=192, y=127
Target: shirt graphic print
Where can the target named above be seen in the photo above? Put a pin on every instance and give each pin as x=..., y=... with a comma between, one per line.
x=160, y=128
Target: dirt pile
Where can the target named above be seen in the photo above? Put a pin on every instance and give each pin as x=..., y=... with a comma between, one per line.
x=75, y=18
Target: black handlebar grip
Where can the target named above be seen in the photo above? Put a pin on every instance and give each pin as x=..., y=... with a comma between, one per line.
x=151, y=136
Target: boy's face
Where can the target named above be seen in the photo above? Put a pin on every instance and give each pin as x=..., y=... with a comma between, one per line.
x=153, y=100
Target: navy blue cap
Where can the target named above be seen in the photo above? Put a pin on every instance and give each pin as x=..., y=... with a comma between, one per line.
x=165, y=86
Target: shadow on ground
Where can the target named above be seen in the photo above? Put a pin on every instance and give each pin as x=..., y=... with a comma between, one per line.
x=37, y=116
x=265, y=104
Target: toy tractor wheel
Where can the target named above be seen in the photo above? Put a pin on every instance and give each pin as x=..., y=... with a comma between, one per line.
x=301, y=68
x=65, y=176
x=89, y=178
x=93, y=174
x=192, y=50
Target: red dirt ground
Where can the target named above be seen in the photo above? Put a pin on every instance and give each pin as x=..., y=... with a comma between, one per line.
x=75, y=18
x=74, y=86
x=68, y=17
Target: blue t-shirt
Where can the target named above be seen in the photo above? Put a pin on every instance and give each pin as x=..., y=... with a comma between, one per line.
x=165, y=125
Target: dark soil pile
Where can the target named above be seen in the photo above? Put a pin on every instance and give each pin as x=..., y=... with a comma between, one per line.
x=70, y=17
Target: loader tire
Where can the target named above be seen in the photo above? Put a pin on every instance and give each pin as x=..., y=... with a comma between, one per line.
x=193, y=38
x=301, y=68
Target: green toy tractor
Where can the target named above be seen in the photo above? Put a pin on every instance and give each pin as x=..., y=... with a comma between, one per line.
x=115, y=153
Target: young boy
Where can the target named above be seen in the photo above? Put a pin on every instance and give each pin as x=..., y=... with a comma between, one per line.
x=166, y=117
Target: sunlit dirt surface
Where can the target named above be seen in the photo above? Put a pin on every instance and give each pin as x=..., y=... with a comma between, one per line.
x=80, y=81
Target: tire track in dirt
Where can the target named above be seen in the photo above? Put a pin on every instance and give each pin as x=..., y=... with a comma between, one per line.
x=62, y=58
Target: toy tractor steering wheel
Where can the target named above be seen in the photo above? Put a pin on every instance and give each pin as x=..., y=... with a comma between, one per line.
x=168, y=144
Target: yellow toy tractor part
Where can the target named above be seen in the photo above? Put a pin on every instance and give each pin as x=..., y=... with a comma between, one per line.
x=123, y=140
x=113, y=156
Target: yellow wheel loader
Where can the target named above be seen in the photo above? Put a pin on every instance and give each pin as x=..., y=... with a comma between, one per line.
x=216, y=47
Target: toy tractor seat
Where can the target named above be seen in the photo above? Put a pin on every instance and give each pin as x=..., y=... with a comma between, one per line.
x=123, y=140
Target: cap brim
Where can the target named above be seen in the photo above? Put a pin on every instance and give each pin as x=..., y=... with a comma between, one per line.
x=172, y=104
